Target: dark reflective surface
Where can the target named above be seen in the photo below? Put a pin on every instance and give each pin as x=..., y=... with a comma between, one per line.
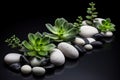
x=99, y=64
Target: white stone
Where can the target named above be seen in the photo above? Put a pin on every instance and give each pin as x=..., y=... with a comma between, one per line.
x=91, y=40
x=108, y=34
x=57, y=57
x=98, y=20
x=88, y=47
x=39, y=71
x=88, y=31
x=26, y=69
x=79, y=41
x=84, y=23
x=68, y=50
x=12, y=58
x=35, y=62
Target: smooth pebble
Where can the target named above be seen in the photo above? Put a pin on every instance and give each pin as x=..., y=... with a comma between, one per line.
x=79, y=41
x=35, y=61
x=97, y=44
x=57, y=57
x=91, y=40
x=68, y=50
x=88, y=47
x=12, y=58
x=15, y=67
x=26, y=69
x=88, y=31
x=38, y=71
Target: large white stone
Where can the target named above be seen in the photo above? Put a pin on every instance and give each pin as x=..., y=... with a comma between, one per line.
x=68, y=50
x=12, y=58
x=88, y=31
x=57, y=57
x=38, y=71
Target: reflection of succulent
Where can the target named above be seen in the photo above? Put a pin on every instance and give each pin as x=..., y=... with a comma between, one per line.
x=62, y=30
x=106, y=26
x=38, y=45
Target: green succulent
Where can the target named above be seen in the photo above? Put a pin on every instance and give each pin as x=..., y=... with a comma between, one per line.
x=91, y=13
x=13, y=42
x=78, y=22
x=61, y=31
x=106, y=26
x=38, y=45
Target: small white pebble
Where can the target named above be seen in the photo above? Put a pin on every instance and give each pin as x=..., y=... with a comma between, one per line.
x=26, y=69
x=91, y=40
x=88, y=47
x=38, y=71
x=108, y=34
x=79, y=41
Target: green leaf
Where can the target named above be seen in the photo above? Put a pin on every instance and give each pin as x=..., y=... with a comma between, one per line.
x=94, y=16
x=32, y=38
x=89, y=17
x=27, y=45
x=38, y=41
x=48, y=47
x=38, y=35
x=51, y=28
x=59, y=22
x=31, y=53
x=43, y=53
x=51, y=36
x=45, y=40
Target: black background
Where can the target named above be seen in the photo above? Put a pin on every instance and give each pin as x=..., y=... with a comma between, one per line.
x=20, y=18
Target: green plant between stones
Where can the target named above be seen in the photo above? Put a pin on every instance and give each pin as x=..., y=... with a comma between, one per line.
x=38, y=45
x=61, y=31
x=106, y=26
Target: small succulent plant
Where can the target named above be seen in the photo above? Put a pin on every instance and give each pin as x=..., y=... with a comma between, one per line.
x=62, y=30
x=78, y=22
x=38, y=45
x=92, y=14
x=106, y=26
x=13, y=42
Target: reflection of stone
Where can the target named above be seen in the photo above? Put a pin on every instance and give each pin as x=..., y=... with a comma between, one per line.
x=108, y=39
x=71, y=63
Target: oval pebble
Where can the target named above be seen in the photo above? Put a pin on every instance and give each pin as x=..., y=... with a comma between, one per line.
x=12, y=58
x=80, y=48
x=26, y=69
x=97, y=44
x=79, y=41
x=24, y=60
x=35, y=61
x=57, y=57
x=108, y=34
x=38, y=71
x=15, y=67
x=91, y=40
x=68, y=50
x=88, y=47
x=98, y=36
x=88, y=31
